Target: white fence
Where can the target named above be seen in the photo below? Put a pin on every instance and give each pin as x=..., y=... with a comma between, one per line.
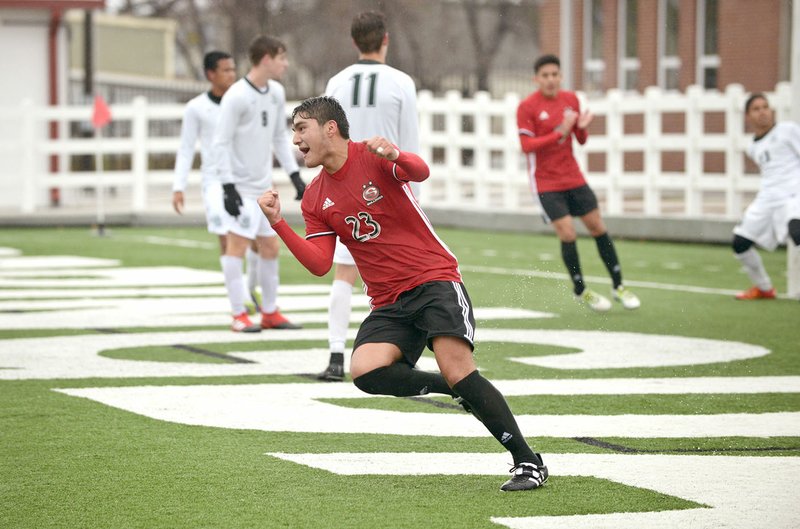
x=471, y=145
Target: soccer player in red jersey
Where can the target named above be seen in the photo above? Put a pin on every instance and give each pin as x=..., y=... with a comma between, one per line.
x=547, y=121
x=362, y=195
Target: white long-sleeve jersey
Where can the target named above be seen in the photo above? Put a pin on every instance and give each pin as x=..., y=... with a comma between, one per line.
x=199, y=121
x=252, y=122
x=777, y=155
x=379, y=101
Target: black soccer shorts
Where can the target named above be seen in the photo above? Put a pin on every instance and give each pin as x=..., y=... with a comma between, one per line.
x=436, y=308
x=576, y=202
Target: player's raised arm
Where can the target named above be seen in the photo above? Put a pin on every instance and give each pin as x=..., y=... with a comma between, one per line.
x=407, y=166
x=315, y=253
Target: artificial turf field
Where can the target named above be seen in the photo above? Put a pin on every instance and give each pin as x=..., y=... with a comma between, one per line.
x=126, y=402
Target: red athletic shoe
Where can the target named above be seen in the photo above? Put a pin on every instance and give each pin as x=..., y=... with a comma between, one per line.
x=242, y=323
x=276, y=320
x=756, y=293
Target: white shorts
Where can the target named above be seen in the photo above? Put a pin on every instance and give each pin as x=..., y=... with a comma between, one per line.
x=251, y=222
x=341, y=255
x=766, y=220
x=217, y=219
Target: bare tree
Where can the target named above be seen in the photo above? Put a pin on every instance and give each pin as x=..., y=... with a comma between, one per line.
x=487, y=46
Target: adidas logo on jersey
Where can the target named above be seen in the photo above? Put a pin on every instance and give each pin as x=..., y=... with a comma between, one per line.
x=328, y=203
x=543, y=115
x=506, y=437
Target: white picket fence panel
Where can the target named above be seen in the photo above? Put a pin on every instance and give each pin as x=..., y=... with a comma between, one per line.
x=471, y=145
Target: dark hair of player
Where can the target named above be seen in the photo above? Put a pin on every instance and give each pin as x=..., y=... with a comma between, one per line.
x=367, y=30
x=324, y=109
x=212, y=58
x=751, y=99
x=545, y=59
x=264, y=45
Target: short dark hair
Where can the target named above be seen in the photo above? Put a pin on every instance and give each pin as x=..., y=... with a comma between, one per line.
x=324, y=109
x=546, y=59
x=264, y=45
x=752, y=98
x=212, y=58
x=367, y=30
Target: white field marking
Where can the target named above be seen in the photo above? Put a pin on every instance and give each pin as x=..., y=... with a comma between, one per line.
x=672, y=265
x=546, y=257
x=133, y=292
x=183, y=243
x=182, y=312
x=596, y=279
x=601, y=349
x=164, y=276
x=712, y=268
x=36, y=265
x=287, y=407
x=489, y=253
x=764, y=496
x=9, y=252
x=77, y=356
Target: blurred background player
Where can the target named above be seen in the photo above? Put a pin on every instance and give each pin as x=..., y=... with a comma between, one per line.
x=547, y=120
x=362, y=196
x=379, y=101
x=253, y=121
x=775, y=212
x=199, y=121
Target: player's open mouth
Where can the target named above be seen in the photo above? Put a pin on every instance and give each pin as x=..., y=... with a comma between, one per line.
x=304, y=150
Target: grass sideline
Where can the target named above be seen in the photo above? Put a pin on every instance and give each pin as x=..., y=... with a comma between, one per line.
x=71, y=462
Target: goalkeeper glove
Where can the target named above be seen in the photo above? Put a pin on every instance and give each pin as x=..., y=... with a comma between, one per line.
x=232, y=199
x=298, y=184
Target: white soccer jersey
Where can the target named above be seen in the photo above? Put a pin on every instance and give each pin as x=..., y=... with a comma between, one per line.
x=777, y=155
x=379, y=101
x=251, y=123
x=199, y=121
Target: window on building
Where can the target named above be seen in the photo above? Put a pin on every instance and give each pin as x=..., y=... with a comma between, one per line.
x=669, y=62
x=628, y=45
x=707, y=43
x=594, y=66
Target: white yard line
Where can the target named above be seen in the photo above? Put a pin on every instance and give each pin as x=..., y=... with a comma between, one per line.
x=496, y=270
x=740, y=492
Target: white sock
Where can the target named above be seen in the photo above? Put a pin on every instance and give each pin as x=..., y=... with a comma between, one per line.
x=268, y=274
x=234, y=282
x=252, y=269
x=339, y=314
x=752, y=263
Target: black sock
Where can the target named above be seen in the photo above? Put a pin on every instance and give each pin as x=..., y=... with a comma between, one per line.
x=569, y=253
x=401, y=380
x=794, y=231
x=609, y=255
x=490, y=405
x=337, y=358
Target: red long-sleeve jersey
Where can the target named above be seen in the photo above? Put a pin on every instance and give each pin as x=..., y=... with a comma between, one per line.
x=370, y=206
x=551, y=164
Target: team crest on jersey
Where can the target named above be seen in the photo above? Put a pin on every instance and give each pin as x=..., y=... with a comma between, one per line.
x=371, y=193
x=543, y=115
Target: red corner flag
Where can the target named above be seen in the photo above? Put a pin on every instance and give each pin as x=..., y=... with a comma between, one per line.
x=101, y=115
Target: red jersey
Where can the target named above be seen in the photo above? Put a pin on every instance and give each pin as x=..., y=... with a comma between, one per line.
x=551, y=164
x=378, y=219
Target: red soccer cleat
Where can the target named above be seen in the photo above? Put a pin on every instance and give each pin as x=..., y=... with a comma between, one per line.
x=276, y=320
x=756, y=293
x=242, y=323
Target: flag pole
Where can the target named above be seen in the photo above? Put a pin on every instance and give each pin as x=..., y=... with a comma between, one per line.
x=100, y=191
x=101, y=116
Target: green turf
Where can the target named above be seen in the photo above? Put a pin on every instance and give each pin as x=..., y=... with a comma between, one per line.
x=73, y=462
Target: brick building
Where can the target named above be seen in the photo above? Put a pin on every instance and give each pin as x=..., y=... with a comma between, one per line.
x=633, y=44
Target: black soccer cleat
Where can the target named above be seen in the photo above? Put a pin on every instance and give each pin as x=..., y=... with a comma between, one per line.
x=333, y=373
x=526, y=476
